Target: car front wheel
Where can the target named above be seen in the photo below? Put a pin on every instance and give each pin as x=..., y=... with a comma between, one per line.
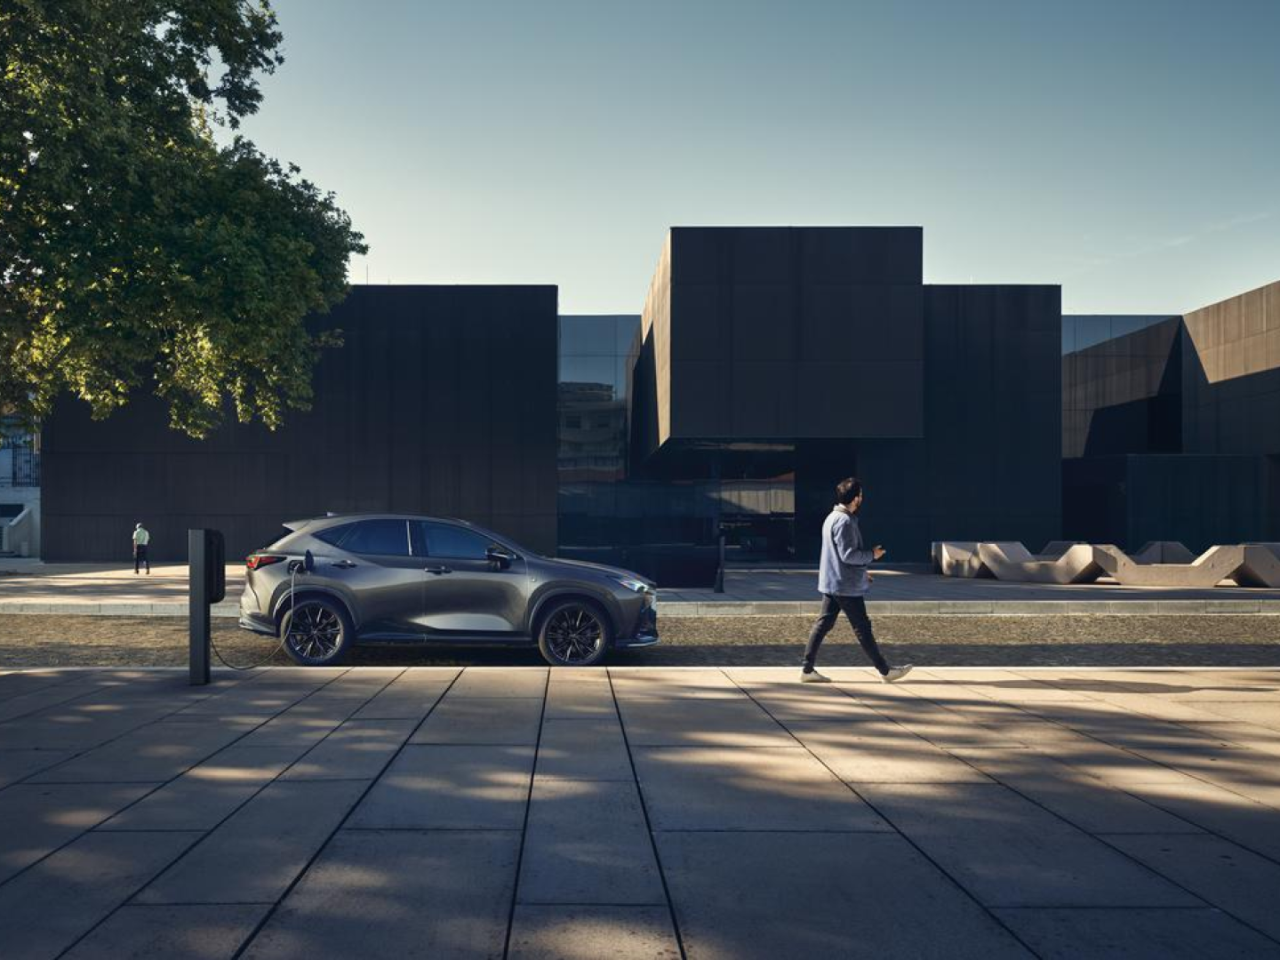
x=574, y=633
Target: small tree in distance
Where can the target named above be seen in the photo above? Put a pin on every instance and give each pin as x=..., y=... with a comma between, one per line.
x=136, y=251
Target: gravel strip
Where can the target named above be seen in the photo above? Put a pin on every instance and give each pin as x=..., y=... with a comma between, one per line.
x=1217, y=640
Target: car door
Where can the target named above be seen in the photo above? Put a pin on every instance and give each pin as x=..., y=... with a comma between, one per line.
x=465, y=592
x=383, y=577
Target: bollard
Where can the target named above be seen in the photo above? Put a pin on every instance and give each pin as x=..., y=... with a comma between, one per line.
x=719, y=587
x=206, y=585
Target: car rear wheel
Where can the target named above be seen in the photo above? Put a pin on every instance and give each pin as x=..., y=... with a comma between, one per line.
x=317, y=632
x=574, y=633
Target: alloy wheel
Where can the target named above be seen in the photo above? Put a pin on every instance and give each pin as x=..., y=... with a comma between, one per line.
x=574, y=635
x=315, y=631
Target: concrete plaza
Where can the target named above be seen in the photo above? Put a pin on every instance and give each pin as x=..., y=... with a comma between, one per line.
x=640, y=812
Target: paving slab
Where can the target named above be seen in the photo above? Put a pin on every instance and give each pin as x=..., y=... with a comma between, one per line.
x=1106, y=934
x=18, y=764
x=520, y=682
x=1007, y=851
x=584, y=749
x=398, y=894
x=36, y=819
x=572, y=698
x=193, y=932
x=84, y=882
x=494, y=721
x=733, y=788
x=1222, y=873
x=1253, y=825
x=587, y=842
x=788, y=701
x=410, y=696
x=305, y=722
x=1093, y=805
x=150, y=754
x=694, y=721
x=650, y=682
x=255, y=854
x=805, y=895
x=208, y=793
x=450, y=788
x=885, y=754
x=540, y=932
x=357, y=750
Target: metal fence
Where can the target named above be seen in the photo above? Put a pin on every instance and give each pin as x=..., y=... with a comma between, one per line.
x=19, y=467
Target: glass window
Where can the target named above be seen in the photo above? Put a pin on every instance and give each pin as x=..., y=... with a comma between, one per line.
x=587, y=336
x=334, y=535
x=458, y=543
x=388, y=538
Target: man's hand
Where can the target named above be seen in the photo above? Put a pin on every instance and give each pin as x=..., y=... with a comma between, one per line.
x=877, y=551
x=871, y=578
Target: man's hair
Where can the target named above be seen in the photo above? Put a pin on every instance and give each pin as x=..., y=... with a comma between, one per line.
x=848, y=490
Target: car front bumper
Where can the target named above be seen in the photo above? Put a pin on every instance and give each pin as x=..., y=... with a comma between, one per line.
x=645, y=633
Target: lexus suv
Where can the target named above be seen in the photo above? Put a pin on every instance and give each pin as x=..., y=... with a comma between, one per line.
x=338, y=580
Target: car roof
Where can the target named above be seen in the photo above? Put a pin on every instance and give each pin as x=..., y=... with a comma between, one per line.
x=333, y=519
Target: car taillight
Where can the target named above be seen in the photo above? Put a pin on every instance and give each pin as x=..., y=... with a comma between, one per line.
x=254, y=561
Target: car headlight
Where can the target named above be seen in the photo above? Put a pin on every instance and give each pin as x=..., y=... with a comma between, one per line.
x=637, y=585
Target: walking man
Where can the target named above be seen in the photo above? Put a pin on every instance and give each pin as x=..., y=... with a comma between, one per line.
x=140, y=540
x=843, y=581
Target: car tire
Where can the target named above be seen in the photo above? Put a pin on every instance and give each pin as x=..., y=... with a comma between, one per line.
x=316, y=632
x=574, y=633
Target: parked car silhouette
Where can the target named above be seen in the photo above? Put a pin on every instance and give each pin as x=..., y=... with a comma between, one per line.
x=395, y=578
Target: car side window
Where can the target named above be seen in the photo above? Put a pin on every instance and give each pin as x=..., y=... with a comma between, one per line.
x=387, y=538
x=333, y=535
x=457, y=543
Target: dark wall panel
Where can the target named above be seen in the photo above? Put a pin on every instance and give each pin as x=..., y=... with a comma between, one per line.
x=441, y=401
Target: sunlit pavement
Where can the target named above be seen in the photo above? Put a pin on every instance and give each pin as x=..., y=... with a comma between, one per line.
x=640, y=812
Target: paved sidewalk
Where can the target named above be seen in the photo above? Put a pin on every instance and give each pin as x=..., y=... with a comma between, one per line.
x=640, y=812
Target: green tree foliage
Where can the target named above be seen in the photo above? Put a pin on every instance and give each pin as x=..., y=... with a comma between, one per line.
x=136, y=251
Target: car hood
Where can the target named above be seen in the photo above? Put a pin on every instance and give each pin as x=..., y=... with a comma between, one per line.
x=601, y=569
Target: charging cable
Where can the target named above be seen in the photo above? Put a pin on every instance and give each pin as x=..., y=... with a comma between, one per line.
x=294, y=567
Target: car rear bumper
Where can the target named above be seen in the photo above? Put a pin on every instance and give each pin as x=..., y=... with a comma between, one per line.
x=257, y=622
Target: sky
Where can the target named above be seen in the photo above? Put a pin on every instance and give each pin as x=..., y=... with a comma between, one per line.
x=1128, y=150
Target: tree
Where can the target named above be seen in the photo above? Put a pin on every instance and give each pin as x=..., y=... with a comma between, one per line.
x=135, y=250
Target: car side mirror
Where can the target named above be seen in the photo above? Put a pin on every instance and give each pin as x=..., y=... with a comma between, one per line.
x=499, y=556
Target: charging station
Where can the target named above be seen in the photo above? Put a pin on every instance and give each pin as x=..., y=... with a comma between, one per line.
x=207, y=585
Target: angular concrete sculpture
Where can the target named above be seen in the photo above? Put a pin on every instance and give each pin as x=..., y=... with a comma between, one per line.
x=958, y=559
x=1207, y=570
x=1261, y=566
x=1012, y=561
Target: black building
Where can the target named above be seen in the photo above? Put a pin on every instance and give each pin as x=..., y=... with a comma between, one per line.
x=442, y=401
x=771, y=362
x=1172, y=425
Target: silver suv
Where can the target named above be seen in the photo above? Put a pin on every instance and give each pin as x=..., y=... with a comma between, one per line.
x=338, y=580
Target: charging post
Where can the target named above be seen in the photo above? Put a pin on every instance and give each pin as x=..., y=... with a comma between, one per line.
x=207, y=585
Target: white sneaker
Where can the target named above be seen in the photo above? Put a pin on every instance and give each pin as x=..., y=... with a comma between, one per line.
x=813, y=676
x=896, y=673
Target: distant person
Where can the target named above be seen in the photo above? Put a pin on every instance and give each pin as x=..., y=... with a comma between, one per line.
x=140, y=540
x=843, y=581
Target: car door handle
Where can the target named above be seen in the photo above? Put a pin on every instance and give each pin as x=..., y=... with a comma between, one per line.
x=345, y=564
x=437, y=570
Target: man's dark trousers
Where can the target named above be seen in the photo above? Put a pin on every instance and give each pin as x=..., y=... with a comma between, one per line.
x=140, y=557
x=855, y=608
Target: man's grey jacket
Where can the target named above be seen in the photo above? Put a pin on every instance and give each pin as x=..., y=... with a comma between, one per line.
x=843, y=567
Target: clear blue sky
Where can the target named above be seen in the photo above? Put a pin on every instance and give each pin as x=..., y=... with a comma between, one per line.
x=1127, y=150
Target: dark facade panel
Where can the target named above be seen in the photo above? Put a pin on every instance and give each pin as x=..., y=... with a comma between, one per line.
x=783, y=333
x=988, y=466
x=442, y=401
